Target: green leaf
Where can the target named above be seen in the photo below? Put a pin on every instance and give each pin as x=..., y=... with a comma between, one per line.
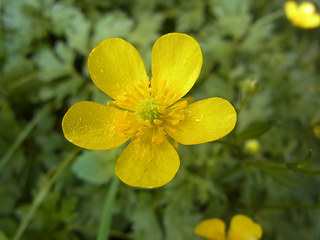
x=78, y=33
x=256, y=129
x=146, y=30
x=258, y=34
x=3, y=236
x=190, y=16
x=55, y=63
x=96, y=167
x=144, y=218
x=233, y=16
x=115, y=24
x=286, y=178
x=306, y=161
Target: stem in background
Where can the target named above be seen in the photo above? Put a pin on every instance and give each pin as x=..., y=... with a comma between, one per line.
x=23, y=135
x=43, y=193
x=272, y=16
x=283, y=167
x=105, y=222
x=289, y=207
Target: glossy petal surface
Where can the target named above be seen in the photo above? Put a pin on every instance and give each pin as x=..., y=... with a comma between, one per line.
x=115, y=65
x=147, y=165
x=176, y=65
x=206, y=120
x=243, y=228
x=213, y=229
x=90, y=125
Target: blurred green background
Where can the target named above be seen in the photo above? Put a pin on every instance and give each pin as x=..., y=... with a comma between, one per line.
x=253, y=57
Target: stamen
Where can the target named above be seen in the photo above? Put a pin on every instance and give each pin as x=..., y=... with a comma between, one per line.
x=149, y=115
x=133, y=94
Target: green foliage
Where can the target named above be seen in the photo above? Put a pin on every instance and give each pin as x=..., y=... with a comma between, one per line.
x=96, y=167
x=256, y=129
x=253, y=57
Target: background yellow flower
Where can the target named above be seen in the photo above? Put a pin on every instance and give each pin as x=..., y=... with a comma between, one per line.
x=303, y=15
x=241, y=228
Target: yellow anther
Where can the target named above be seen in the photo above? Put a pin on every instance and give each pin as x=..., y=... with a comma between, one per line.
x=175, y=121
x=161, y=109
x=179, y=105
x=157, y=122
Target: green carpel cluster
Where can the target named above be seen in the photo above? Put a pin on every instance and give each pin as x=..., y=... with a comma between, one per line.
x=148, y=110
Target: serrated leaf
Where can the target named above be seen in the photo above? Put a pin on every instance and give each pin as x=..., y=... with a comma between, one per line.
x=256, y=37
x=233, y=16
x=55, y=63
x=256, y=129
x=145, y=222
x=147, y=29
x=190, y=16
x=96, y=167
x=115, y=24
x=77, y=33
x=145, y=33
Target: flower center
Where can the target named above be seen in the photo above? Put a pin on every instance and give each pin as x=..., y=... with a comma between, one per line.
x=147, y=115
x=148, y=110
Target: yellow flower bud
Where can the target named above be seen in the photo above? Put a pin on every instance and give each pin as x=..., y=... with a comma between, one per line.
x=252, y=146
x=316, y=131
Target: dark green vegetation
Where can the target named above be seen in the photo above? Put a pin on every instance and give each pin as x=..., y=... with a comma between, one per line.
x=253, y=57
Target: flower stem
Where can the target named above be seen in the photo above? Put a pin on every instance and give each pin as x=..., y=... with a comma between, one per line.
x=105, y=222
x=23, y=135
x=43, y=193
x=282, y=166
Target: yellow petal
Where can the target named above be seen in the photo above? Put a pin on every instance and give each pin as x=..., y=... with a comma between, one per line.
x=307, y=8
x=311, y=21
x=243, y=228
x=115, y=65
x=147, y=165
x=291, y=9
x=90, y=125
x=213, y=229
x=176, y=65
x=206, y=120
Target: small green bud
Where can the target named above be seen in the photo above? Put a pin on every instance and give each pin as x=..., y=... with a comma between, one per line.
x=250, y=86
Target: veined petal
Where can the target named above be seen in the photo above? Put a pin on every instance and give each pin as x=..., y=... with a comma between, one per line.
x=90, y=125
x=291, y=9
x=115, y=65
x=205, y=121
x=243, y=228
x=213, y=229
x=147, y=165
x=176, y=65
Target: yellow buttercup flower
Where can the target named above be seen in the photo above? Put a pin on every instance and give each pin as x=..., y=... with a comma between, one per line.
x=148, y=112
x=241, y=228
x=304, y=15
